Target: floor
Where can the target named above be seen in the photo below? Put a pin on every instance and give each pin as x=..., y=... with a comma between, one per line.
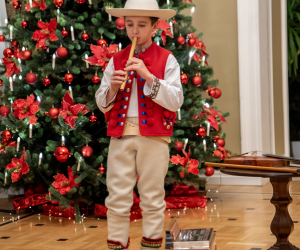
x=240, y=215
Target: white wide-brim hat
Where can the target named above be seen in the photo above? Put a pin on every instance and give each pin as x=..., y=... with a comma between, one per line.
x=148, y=8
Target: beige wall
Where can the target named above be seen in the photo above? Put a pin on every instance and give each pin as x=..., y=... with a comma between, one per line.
x=218, y=22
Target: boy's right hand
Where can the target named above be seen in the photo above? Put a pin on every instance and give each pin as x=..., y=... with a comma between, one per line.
x=117, y=79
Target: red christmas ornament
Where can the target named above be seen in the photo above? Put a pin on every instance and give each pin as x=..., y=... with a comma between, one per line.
x=218, y=93
x=85, y=36
x=8, y=53
x=16, y=4
x=68, y=78
x=102, y=169
x=26, y=54
x=62, y=153
x=14, y=44
x=192, y=41
x=4, y=110
x=201, y=132
x=216, y=138
x=184, y=78
x=61, y=52
x=46, y=81
x=181, y=40
x=6, y=135
x=174, y=21
x=96, y=79
x=80, y=1
x=58, y=3
x=212, y=93
x=209, y=171
x=2, y=38
x=93, y=118
x=1, y=81
x=24, y=24
x=220, y=142
x=44, y=47
x=102, y=43
x=179, y=146
x=197, y=80
x=120, y=23
x=64, y=33
x=53, y=113
x=31, y=78
x=86, y=151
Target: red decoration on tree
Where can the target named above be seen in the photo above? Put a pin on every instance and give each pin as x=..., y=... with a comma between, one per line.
x=93, y=118
x=179, y=146
x=53, y=113
x=63, y=184
x=201, y=132
x=37, y=4
x=6, y=135
x=14, y=44
x=8, y=53
x=1, y=81
x=102, y=169
x=216, y=138
x=44, y=47
x=212, y=93
x=46, y=32
x=2, y=38
x=26, y=54
x=64, y=33
x=24, y=108
x=46, y=81
x=5, y=144
x=4, y=111
x=181, y=40
x=186, y=1
x=200, y=44
x=102, y=43
x=58, y=3
x=31, y=78
x=221, y=153
x=62, y=153
x=192, y=41
x=218, y=93
x=24, y=24
x=69, y=78
x=209, y=171
x=120, y=23
x=61, y=52
x=20, y=166
x=80, y=1
x=197, y=80
x=86, y=151
x=96, y=79
x=16, y=4
x=85, y=36
x=184, y=78
x=165, y=30
x=102, y=55
x=220, y=142
x=11, y=67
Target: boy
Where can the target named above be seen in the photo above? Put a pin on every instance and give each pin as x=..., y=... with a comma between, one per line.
x=140, y=123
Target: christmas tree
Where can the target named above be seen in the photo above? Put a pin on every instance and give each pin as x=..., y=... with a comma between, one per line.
x=54, y=135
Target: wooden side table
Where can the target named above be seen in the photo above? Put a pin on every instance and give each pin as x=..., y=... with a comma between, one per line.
x=282, y=225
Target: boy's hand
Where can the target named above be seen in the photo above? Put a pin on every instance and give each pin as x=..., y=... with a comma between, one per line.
x=116, y=79
x=139, y=66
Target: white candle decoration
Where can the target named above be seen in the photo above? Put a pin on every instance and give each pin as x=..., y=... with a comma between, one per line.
x=78, y=166
x=40, y=158
x=6, y=21
x=86, y=62
x=207, y=105
x=11, y=107
x=30, y=3
x=1, y=62
x=158, y=43
x=186, y=142
x=109, y=17
x=23, y=48
x=20, y=67
x=14, y=77
x=192, y=11
x=204, y=145
x=171, y=24
x=71, y=92
x=53, y=61
x=39, y=99
x=208, y=128
x=203, y=61
x=5, y=179
x=120, y=46
x=48, y=50
x=63, y=140
x=11, y=84
x=90, y=2
x=72, y=33
x=20, y=77
x=30, y=131
x=58, y=11
x=18, y=144
x=191, y=56
x=215, y=146
x=11, y=32
x=179, y=115
x=168, y=2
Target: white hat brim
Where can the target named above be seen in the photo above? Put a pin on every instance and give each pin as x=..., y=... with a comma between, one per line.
x=161, y=14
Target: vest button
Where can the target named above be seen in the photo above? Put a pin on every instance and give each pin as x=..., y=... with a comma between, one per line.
x=129, y=73
x=141, y=79
x=129, y=81
x=144, y=113
x=132, y=72
x=168, y=126
x=141, y=88
x=128, y=90
x=142, y=96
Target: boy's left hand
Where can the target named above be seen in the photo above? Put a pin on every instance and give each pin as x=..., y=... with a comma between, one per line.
x=139, y=66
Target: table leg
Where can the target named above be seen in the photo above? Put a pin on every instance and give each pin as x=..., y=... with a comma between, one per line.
x=282, y=225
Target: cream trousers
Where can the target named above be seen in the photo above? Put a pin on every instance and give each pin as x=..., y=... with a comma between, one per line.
x=129, y=157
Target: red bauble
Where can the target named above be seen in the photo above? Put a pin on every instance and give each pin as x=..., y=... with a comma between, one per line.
x=46, y=81
x=209, y=171
x=4, y=110
x=197, y=80
x=221, y=142
x=181, y=40
x=102, y=169
x=2, y=38
x=174, y=21
x=1, y=81
x=80, y=1
x=120, y=23
x=68, y=78
x=85, y=36
x=184, y=78
x=86, y=151
x=61, y=52
x=24, y=24
x=179, y=146
x=8, y=53
x=53, y=113
x=6, y=135
x=212, y=93
x=216, y=138
x=31, y=78
x=93, y=118
x=62, y=153
x=16, y=4
x=102, y=43
x=14, y=44
x=26, y=54
x=201, y=132
x=96, y=79
x=58, y=3
x=64, y=33
x=218, y=93
x=200, y=44
x=192, y=41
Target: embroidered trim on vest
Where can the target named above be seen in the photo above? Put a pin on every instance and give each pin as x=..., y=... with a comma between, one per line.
x=155, y=88
x=154, y=243
x=117, y=244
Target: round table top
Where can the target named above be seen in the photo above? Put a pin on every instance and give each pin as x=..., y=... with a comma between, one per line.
x=255, y=173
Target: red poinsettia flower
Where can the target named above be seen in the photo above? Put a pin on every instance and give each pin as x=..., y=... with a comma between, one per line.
x=24, y=108
x=20, y=165
x=222, y=153
x=69, y=110
x=186, y=162
x=46, y=32
x=11, y=67
x=64, y=184
x=102, y=55
x=35, y=4
x=165, y=30
x=5, y=144
x=186, y=1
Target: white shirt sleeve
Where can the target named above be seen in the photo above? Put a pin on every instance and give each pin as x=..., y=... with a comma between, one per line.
x=104, y=88
x=167, y=92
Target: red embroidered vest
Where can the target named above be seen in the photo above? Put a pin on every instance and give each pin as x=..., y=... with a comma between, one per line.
x=154, y=120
